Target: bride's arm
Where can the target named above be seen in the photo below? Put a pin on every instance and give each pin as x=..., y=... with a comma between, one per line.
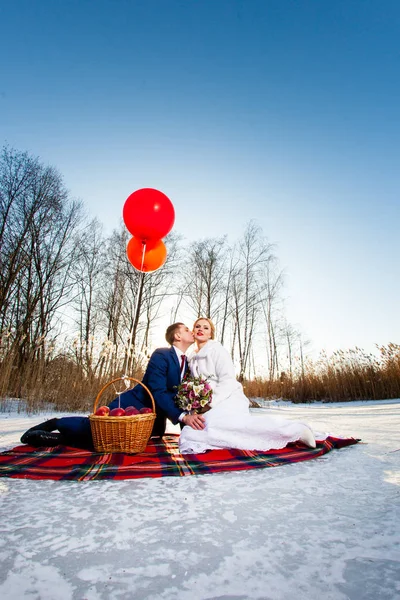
x=224, y=368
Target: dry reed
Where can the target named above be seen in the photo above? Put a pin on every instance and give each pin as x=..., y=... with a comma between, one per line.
x=344, y=376
x=58, y=380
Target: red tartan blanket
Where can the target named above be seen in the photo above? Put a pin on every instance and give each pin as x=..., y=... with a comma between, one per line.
x=160, y=459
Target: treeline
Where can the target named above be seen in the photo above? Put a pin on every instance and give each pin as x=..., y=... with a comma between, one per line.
x=61, y=277
x=74, y=313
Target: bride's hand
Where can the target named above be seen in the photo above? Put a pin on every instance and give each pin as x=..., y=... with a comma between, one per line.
x=195, y=421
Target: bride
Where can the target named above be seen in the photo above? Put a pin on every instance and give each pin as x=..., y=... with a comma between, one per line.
x=229, y=423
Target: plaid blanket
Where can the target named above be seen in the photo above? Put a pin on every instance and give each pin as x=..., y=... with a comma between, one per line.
x=160, y=459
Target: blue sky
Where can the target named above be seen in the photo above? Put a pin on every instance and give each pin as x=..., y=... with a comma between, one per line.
x=282, y=111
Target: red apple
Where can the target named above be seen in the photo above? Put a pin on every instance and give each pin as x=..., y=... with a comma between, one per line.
x=145, y=410
x=117, y=412
x=102, y=411
x=131, y=410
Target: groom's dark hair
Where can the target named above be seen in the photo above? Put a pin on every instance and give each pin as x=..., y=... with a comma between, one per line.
x=170, y=333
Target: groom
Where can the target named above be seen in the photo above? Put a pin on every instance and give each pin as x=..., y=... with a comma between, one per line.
x=164, y=373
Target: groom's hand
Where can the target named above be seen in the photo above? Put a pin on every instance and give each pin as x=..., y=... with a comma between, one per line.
x=195, y=421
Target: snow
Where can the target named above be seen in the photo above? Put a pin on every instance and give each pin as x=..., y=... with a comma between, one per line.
x=327, y=528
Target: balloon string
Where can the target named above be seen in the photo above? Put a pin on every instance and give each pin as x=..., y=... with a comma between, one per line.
x=143, y=253
x=126, y=381
x=141, y=276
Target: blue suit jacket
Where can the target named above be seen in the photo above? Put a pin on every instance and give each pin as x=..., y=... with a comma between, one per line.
x=162, y=377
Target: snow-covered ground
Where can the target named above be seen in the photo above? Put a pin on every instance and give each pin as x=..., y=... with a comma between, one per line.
x=328, y=528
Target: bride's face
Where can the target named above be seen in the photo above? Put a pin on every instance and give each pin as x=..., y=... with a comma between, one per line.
x=202, y=331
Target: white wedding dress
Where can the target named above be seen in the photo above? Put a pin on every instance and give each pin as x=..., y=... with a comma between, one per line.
x=229, y=423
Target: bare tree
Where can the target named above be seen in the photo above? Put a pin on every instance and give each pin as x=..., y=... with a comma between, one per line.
x=291, y=337
x=17, y=174
x=254, y=255
x=38, y=221
x=161, y=288
x=272, y=281
x=205, y=274
x=153, y=291
x=115, y=291
x=132, y=302
x=226, y=309
x=88, y=274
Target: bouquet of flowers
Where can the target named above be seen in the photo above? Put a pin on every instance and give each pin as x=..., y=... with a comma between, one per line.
x=194, y=394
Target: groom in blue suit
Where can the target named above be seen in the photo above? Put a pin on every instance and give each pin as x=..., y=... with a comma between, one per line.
x=164, y=373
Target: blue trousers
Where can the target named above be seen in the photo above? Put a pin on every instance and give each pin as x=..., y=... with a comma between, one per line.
x=77, y=430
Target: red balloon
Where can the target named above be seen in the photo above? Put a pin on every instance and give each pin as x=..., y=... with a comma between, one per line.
x=155, y=254
x=148, y=214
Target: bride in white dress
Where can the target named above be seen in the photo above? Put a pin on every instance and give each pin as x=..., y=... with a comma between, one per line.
x=229, y=423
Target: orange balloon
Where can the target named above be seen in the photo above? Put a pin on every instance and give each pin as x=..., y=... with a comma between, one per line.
x=155, y=254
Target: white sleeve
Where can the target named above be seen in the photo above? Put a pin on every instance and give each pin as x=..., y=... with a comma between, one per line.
x=224, y=368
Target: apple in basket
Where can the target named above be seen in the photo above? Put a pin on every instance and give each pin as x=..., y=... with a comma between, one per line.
x=131, y=410
x=117, y=412
x=102, y=411
x=145, y=410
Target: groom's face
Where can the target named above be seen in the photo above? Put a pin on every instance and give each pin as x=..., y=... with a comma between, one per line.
x=184, y=335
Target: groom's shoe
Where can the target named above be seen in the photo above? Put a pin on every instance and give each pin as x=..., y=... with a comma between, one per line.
x=49, y=425
x=38, y=438
x=308, y=438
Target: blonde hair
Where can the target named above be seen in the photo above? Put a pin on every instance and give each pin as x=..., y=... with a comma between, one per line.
x=211, y=324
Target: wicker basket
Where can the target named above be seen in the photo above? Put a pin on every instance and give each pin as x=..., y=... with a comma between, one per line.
x=121, y=434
